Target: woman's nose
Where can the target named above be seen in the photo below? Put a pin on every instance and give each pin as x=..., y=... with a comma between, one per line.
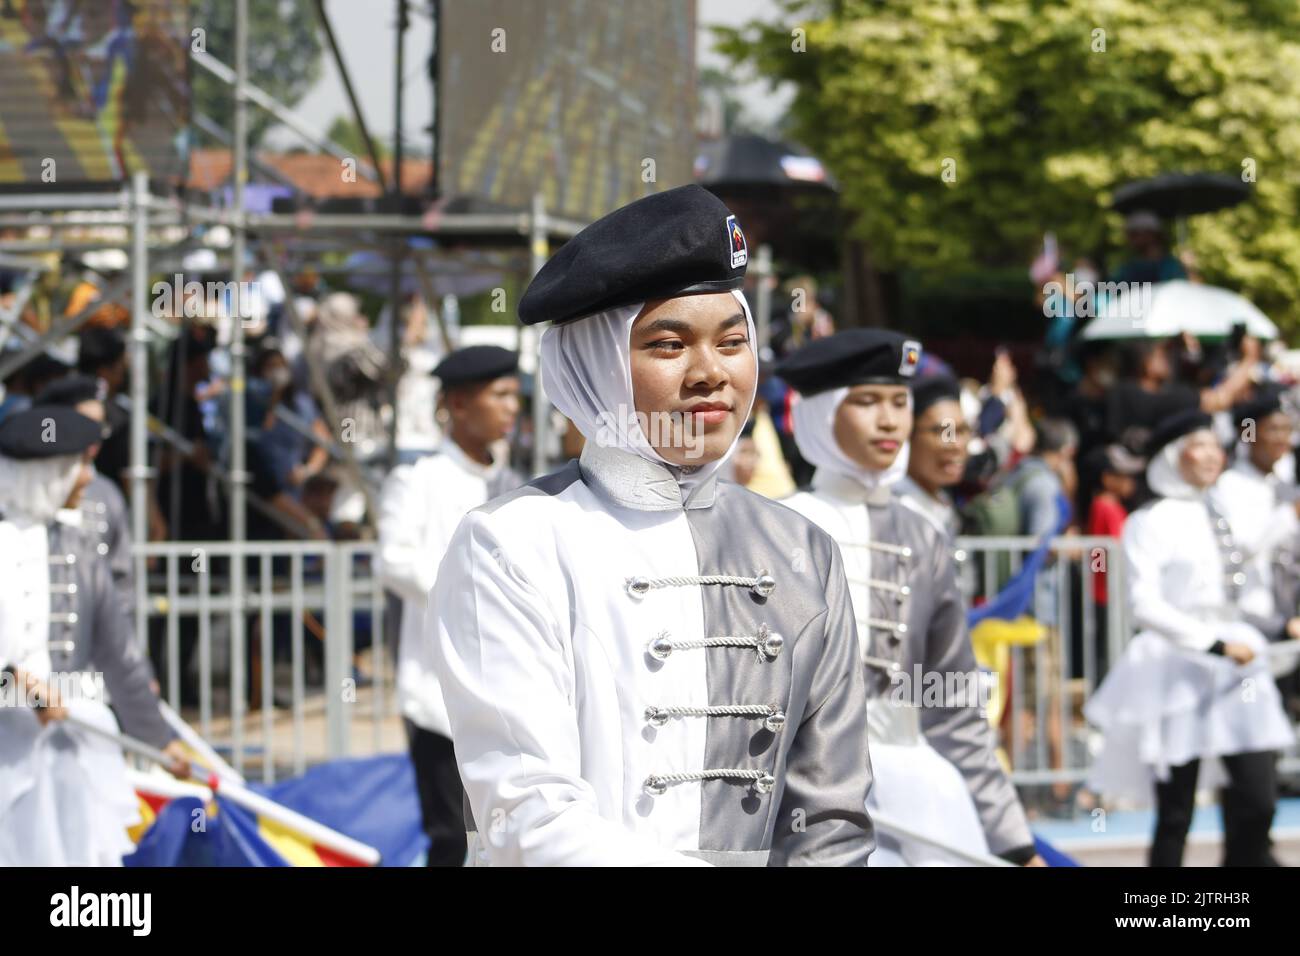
x=705, y=369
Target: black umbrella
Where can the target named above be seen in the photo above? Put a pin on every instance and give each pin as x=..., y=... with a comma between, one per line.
x=1173, y=195
x=750, y=165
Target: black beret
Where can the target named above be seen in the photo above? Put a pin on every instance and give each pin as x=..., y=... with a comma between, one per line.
x=1175, y=426
x=1265, y=402
x=476, y=363
x=44, y=431
x=932, y=390
x=99, y=347
x=679, y=242
x=852, y=357
x=69, y=390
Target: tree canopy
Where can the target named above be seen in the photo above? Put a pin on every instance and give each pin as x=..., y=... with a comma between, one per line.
x=284, y=56
x=1036, y=111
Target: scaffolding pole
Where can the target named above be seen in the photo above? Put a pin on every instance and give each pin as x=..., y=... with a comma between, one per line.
x=238, y=410
x=139, y=471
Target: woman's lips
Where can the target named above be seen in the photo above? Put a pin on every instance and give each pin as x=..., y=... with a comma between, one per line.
x=886, y=444
x=711, y=414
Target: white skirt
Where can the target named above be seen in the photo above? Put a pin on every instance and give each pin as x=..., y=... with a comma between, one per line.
x=64, y=795
x=914, y=785
x=1162, y=706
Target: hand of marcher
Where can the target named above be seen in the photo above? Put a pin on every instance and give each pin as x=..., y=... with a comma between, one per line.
x=179, y=767
x=1241, y=653
x=50, y=709
x=1036, y=861
x=1293, y=628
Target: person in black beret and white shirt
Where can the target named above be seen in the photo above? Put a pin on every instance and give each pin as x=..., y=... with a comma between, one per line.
x=1194, y=684
x=419, y=508
x=935, y=760
x=643, y=664
x=64, y=797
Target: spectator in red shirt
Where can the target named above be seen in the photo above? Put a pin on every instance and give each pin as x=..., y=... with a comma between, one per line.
x=1116, y=469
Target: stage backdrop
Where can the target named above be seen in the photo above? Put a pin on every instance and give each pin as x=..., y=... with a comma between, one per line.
x=568, y=97
x=99, y=87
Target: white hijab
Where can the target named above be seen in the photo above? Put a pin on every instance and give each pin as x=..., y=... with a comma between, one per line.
x=1164, y=476
x=587, y=374
x=35, y=490
x=814, y=433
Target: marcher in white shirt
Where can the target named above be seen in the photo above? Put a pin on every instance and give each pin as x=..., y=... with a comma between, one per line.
x=1254, y=500
x=420, y=507
x=65, y=636
x=644, y=664
x=1194, y=683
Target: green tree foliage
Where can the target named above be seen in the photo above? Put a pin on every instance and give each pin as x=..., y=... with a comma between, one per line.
x=1038, y=110
x=284, y=56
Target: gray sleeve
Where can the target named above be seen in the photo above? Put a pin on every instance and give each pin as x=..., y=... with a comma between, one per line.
x=958, y=730
x=120, y=659
x=822, y=820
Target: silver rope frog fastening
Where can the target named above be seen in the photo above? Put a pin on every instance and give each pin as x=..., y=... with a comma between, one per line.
x=761, y=583
x=766, y=643
x=773, y=716
x=657, y=784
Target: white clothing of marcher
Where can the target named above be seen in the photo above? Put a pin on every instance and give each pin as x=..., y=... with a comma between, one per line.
x=1168, y=701
x=570, y=622
x=1260, y=523
x=939, y=511
x=64, y=796
x=420, y=506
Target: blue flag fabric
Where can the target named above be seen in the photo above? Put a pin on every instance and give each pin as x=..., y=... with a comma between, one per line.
x=372, y=799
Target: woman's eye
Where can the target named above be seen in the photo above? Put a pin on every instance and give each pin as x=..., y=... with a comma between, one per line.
x=666, y=345
x=735, y=343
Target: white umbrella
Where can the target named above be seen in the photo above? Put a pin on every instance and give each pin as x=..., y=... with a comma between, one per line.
x=1145, y=310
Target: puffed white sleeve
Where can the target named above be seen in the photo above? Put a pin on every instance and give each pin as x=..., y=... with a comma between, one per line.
x=505, y=664
x=1146, y=543
x=404, y=564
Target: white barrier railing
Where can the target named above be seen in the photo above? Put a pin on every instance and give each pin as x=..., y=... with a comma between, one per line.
x=295, y=590
x=318, y=591
x=1042, y=729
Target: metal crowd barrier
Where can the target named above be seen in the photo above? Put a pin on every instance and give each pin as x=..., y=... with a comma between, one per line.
x=298, y=591
x=325, y=587
x=1043, y=733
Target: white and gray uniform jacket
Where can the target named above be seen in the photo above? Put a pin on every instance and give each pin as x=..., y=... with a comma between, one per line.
x=634, y=679
x=106, y=517
x=60, y=612
x=912, y=623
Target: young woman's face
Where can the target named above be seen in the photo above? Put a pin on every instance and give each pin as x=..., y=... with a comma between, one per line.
x=1272, y=440
x=872, y=423
x=939, y=443
x=1201, y=460
x=693, y=375
x=485, y=412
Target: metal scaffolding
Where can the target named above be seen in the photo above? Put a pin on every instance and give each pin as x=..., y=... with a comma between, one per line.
x=138, y=213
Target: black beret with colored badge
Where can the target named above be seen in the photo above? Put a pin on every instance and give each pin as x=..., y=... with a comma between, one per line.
x=680, y=242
